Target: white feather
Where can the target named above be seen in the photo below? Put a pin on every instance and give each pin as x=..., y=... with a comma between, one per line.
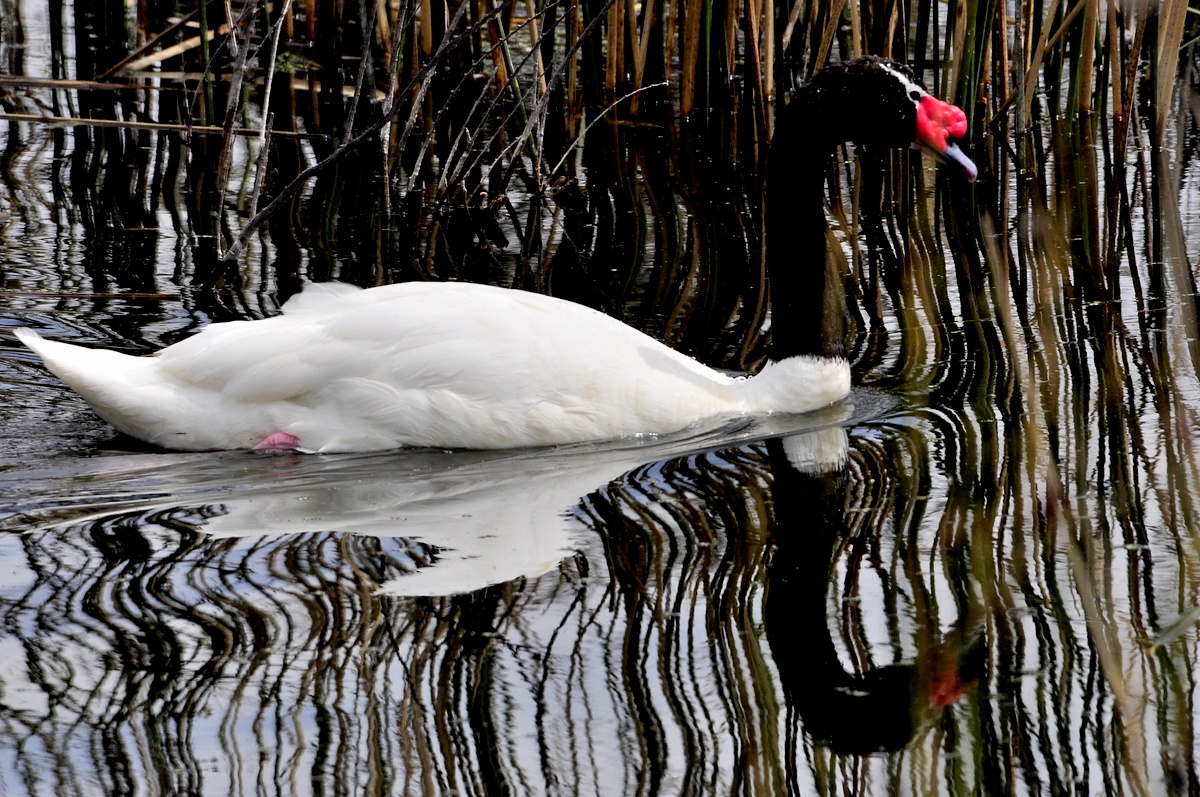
x=422, y=364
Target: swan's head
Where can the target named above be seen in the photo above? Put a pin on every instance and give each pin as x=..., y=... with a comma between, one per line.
x=939, y=125
x=878, y=102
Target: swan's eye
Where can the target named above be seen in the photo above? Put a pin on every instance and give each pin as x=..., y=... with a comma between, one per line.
x=914, y=95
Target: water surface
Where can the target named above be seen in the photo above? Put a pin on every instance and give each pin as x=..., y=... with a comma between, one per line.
x=980, y=575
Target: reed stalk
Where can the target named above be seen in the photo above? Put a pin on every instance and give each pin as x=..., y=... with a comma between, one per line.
x=1084, y=89
x=827, y=33
x=206, y=36
x=1172, y=14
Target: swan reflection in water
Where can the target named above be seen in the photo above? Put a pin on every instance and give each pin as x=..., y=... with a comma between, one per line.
x=598, y=616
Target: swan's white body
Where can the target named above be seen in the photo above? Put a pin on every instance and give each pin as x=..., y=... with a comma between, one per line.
x=422, y=364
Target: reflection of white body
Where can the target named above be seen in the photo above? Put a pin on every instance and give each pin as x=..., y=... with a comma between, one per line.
x=492, y=520
x=422, y=364
x=493, y=517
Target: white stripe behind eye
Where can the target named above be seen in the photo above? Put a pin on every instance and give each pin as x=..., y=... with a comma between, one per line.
x=909, y=85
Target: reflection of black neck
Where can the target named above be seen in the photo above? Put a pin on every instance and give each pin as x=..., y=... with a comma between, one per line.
x=851, y=713
x=807, y=307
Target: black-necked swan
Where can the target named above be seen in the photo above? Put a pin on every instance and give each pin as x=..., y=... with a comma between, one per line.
x=473, y=366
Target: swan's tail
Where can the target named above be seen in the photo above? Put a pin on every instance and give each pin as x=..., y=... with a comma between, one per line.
x=109, y=381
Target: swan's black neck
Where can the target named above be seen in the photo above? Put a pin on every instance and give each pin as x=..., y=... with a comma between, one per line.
x=807, y=305
x=855, y=100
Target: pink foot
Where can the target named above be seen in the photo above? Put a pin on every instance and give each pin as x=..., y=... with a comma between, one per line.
x=279, y=441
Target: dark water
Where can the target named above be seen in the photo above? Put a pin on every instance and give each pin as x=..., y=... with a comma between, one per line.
x=981, y=575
